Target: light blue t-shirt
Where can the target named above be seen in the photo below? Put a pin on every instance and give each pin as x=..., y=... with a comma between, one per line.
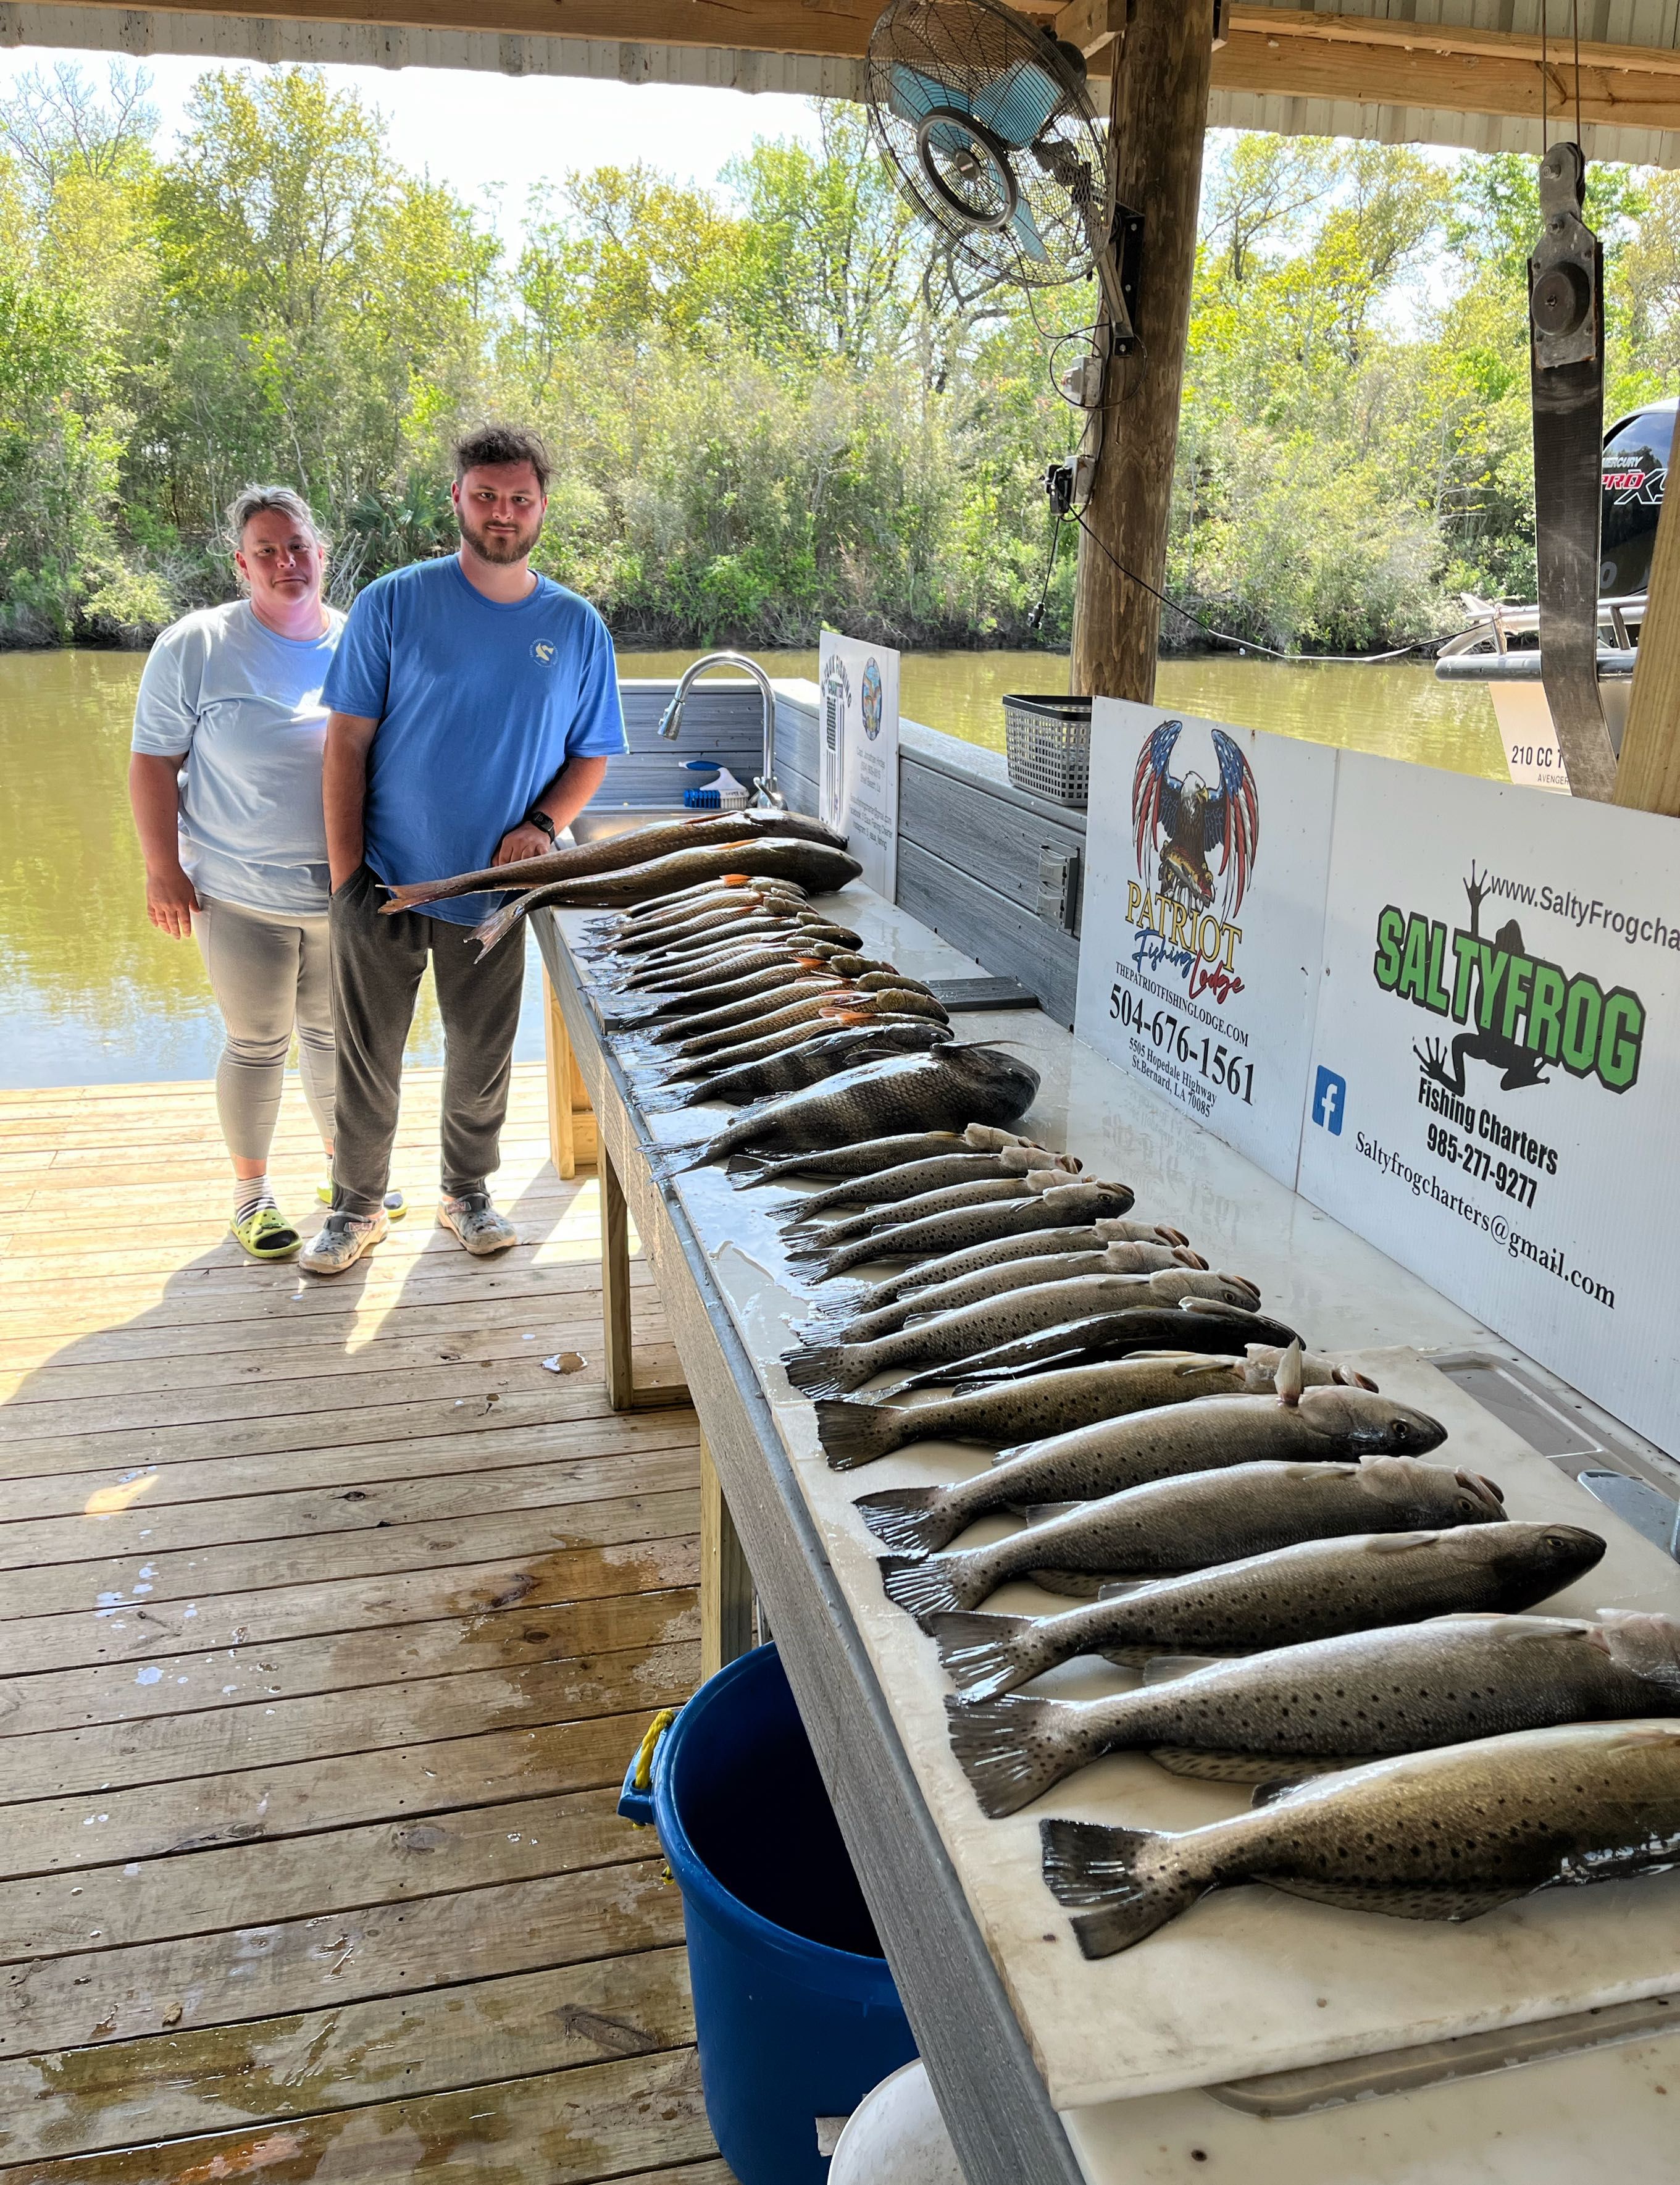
x=243, y=707
x=479, y=706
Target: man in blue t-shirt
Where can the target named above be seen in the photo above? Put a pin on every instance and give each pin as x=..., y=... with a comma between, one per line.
x=474, y=708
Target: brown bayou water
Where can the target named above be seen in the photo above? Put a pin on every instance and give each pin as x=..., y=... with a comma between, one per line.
x=89, y=993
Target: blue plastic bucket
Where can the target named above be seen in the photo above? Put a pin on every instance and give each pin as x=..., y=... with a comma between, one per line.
x=795, y=2012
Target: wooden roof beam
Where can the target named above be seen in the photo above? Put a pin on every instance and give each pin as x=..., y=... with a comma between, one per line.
x=1294, y=53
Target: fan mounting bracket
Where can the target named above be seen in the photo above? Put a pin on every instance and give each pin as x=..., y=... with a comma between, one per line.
x=1117, y=271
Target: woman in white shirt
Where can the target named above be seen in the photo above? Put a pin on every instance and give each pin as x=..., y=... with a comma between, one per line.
x=226, y=784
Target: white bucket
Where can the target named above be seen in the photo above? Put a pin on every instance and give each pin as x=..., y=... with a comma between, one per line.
x=895, y=2136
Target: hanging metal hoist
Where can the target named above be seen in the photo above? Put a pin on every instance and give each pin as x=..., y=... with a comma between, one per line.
x=1566, y=378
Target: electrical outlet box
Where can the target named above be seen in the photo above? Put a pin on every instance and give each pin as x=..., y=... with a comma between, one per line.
x=1058, y=889
x=1082, y=383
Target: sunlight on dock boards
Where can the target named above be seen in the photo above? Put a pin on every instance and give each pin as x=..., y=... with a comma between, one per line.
x=331, y=1616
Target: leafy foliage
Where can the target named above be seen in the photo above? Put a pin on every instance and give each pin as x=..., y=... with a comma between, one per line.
x=770, y=402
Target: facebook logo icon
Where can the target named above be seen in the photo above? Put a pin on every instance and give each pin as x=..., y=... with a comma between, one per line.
x=1329, y=1100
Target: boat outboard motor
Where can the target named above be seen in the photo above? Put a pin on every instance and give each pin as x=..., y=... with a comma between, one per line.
x=1635, y=472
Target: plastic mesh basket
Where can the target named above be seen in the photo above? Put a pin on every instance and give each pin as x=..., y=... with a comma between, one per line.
x=1048, y=742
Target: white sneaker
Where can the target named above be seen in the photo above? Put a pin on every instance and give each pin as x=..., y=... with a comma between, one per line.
x=480, y=1228
x=342, y=1240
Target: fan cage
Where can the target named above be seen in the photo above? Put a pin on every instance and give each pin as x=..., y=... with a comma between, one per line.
x=979, y=58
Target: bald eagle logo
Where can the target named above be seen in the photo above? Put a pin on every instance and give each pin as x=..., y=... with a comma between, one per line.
x=1183, y=822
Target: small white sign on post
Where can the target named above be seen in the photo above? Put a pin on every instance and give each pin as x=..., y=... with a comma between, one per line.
x=857, y=753
x=1496, y=1079
x=1207, y=854
x=1530, y=741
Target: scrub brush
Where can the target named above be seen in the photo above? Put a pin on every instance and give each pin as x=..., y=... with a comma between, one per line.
x=725, y=794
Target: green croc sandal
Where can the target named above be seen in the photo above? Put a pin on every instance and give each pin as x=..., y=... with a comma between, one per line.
x=266, y=1234
x=395, y=1204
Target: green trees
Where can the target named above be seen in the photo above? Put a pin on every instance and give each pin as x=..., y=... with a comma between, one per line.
x=771, y=401
x=320, y=309
x=76, y=278
x=1356, y=448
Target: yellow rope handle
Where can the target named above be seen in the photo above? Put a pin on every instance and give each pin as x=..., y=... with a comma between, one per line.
x=656, y=1730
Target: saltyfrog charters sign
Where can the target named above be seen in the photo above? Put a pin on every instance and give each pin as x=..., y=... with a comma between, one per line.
x=1497, y=1015
x=1208, y=855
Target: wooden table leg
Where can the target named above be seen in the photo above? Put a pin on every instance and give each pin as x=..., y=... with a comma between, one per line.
x=557, y=1052
x=621, y=1392
x=725, y=1581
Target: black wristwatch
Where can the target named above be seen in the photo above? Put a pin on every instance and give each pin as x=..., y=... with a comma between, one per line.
x=536, y=817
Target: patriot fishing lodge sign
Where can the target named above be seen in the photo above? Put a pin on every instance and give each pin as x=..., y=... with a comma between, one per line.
x=1204, y=916
x=1443, y=1009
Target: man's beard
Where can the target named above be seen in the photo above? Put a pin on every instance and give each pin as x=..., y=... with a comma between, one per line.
x=499, y=547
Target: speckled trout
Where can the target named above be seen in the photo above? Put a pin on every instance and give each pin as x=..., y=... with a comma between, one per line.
x=1314, y=1589
x=1427, y=1837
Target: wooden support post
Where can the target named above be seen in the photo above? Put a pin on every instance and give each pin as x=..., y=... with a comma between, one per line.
x=572, y=1120
x=725, y=1581
x=1648, y=773
x=557, y=1054
x=615, y=1289
x=1158, y=119
x=618, y=1333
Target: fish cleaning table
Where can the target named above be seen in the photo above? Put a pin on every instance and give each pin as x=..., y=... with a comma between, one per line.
x=1049, y=2068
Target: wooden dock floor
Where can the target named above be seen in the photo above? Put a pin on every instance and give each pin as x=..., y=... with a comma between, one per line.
x=328, y=1620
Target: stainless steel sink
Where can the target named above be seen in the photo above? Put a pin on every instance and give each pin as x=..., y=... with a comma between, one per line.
x=602, y=821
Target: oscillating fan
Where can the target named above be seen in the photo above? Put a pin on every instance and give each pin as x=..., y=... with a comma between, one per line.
x=987, y=123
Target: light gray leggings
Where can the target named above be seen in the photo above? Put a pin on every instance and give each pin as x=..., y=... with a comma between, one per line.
x=271, y=972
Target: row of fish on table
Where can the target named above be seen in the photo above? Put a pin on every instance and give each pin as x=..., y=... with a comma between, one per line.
x=1319, y=1603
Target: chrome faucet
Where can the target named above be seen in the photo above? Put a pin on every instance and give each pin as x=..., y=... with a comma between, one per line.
x=769, y=797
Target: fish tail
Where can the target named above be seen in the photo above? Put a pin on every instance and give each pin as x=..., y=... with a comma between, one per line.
x=808, y=1251
x=854, y=1433
x=824, y=1372
x=677, y=1160
x=924, y=1588
x=834, y=1260
x=667, y=1100
x=746, y=1170
x=408, y=895
x=1013, y=1749
x=984, y=1656
x=804, y=1221
x=912, y=1521
x=1122, y=1874
x=498, y=926
x=830, y=1311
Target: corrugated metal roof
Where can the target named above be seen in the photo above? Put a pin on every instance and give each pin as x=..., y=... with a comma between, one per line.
x=139, y=32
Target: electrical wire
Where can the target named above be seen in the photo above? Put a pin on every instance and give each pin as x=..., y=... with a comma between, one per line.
x=1545, y=82
x=1575, y=19
x=1053, y=343
x=1248, y=644
x=1036, y=620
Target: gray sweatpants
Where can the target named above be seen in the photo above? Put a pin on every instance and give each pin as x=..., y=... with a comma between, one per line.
x=271, y=974
x=377, y=963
